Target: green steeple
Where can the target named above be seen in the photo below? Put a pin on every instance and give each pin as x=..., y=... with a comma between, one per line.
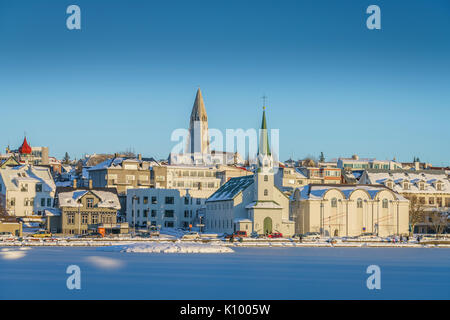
x=264, y=147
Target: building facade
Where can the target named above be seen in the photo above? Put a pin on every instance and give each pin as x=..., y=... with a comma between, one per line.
x=431, y=187
x=85, y=210
x=349, y=210
x=27, y=190
x=164, y=208
x=251, y=203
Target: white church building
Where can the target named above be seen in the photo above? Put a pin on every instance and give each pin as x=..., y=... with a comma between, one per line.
x=251, y=203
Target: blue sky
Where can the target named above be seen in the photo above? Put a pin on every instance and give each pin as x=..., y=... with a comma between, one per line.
x=128, y=78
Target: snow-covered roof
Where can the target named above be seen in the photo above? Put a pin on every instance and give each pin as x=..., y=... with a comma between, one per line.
x=108, y=199
x=231, y=188
x=12, y=176
x=318, y=191
x=430, y=178
x=116, y=163
x=263, y=205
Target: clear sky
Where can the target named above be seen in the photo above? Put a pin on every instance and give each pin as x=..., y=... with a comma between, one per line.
x=128, y=78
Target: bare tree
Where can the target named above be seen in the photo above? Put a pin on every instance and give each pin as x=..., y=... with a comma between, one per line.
x=438, y=220
x=416, y=211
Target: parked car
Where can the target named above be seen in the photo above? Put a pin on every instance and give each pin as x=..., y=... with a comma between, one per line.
x=154, y=232
x=236, y=234
x=93, y=235
x=311, y=235
x=42, y=234
x=191, y=235
x=275, y=235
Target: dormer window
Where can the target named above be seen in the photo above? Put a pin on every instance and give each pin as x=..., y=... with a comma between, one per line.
x=389, y=185
x=406, y=185
x=421, y=186
x=439, y=186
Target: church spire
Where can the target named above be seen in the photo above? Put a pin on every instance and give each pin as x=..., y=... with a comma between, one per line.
x=264, y=147
x=198, y=140
x=198, y=110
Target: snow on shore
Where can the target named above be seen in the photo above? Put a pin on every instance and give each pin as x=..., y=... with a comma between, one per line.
x=169, y=247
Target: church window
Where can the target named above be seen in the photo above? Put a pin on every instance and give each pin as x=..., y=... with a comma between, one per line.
x=385, y=203
x=334, y=203
x=359, y=203
x=266, y=178
x=266, y=192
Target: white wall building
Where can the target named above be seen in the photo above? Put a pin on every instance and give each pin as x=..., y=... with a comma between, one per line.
x=27, y=190
x=251, y=203
x=349, y=210
x=163, y=208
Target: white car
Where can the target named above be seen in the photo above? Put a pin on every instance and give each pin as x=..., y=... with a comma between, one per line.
x=191, y=235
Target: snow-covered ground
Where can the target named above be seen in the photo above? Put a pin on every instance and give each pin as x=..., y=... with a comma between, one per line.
x=169, y=247
x=247, y=273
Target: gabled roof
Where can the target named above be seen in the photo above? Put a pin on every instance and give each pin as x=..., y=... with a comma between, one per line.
x=68, y=197
x=231, y=188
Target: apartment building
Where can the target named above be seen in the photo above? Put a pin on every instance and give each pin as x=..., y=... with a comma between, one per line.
x=163, y=208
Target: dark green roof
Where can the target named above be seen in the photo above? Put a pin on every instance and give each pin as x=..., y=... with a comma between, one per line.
x=231, y=188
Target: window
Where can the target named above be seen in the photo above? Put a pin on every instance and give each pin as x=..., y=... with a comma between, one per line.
x=24, y=188
x=153, y=213
x=186, y=213
x=145, y=213
x=385, y=203
x=266, y=178
x=70, y=219
x=359, y=203
x=154, y=201
x=169, y=200
x=90, y=202
x=84, y=219
x=95, y=218
x=49, y=202
x=406, y=186
x=145, y=200
x=13, y=202
x=186, y=200
x=266, y=192
x=431, y=200
x=439, y=186
x=168, y=224
x=42, y=202
x=168, y=213
x=421, y=186
x=199, y=201
x=39, y=187
x=334, y=203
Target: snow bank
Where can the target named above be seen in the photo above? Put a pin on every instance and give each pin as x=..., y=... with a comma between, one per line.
x=169, y=247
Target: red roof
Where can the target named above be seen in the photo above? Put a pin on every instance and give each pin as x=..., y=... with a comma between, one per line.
x=25, y=147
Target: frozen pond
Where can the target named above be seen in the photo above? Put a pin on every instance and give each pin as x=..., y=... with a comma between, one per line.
x=248, y=273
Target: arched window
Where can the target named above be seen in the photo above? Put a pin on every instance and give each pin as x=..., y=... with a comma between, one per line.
x=266, y=178
x=359, y=203
x=385, y=203
x=266, y=192
x=334, y=203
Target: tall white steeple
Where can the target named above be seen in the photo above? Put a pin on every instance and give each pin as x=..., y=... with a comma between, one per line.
x=264, y=175
x=198, y=140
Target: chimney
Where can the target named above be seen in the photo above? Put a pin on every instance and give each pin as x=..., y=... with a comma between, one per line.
x=90, y=183
x=74, y=183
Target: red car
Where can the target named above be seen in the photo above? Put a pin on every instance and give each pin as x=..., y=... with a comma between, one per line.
x=275, y=235
x=236, y=234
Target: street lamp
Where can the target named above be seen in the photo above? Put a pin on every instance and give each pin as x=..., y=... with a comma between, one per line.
x=134, y=215
x=79, y=217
